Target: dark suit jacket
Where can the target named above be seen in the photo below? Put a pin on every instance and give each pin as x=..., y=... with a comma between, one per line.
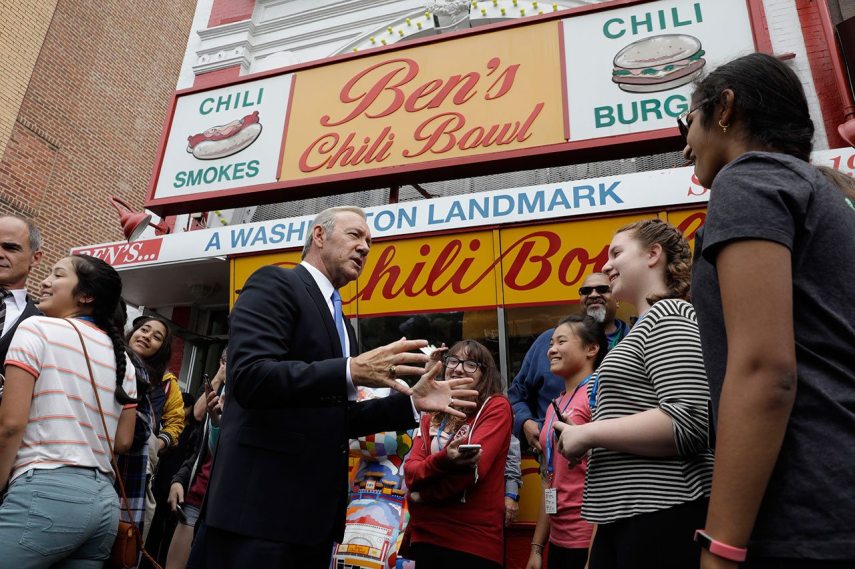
x=29, y=310
x=280, y=469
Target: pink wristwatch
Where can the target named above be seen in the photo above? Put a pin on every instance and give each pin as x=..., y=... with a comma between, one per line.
x=720, y=549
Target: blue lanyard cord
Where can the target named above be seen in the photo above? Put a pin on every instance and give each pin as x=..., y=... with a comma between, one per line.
x=439, y=432
x=550, y=439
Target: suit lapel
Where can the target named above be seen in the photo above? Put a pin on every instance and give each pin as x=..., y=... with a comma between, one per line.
x=323, y=309
x=29, y=310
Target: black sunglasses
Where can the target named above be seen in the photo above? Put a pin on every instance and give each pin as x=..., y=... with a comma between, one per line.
x=601, y=289
x=682, y=125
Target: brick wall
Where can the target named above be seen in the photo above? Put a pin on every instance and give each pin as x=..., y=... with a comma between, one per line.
x=23, y=25
x=228, y=11
x=818, y=46
x=90, y=122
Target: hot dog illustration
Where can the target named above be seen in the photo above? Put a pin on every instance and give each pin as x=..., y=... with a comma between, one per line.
x=658, y=63
x=225, y=140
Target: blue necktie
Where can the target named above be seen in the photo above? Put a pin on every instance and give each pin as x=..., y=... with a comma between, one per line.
x=339, y=322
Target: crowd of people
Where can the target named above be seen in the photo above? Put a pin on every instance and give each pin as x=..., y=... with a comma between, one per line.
x=708, y=434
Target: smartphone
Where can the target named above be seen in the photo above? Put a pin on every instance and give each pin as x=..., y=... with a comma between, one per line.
x=179, y=511
x=207, y=379
x=469, y=449
x=558, y=416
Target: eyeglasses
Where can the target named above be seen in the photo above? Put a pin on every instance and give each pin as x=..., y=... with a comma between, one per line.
x=601, y=289
x=469, y=366
x=681, y=120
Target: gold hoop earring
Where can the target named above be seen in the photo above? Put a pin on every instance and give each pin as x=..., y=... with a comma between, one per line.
x=723, y=127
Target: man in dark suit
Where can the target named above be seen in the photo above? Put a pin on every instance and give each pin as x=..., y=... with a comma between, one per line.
x=20, y=251
x=278, y=488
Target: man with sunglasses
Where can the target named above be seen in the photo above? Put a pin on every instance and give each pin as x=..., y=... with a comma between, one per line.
x=535, y=386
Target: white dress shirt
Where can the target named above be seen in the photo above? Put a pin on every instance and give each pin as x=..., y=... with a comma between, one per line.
x=326, y=291
x=15, y=304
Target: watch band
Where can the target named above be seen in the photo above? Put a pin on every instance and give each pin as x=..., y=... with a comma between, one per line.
x=720, y=549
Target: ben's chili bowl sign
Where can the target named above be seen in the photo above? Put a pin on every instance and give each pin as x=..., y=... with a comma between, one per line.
x=418, y=105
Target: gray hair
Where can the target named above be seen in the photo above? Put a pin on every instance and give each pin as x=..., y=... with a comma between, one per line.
x=34, y=236
x=326, y=219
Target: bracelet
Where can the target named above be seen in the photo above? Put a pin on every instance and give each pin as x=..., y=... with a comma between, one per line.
x=539, y=546
x=512, y=496
x=719, y=549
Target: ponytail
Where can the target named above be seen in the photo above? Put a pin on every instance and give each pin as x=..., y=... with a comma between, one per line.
x=678, y=257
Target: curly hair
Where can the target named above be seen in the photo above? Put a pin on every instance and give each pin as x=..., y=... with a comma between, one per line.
x=678, y=267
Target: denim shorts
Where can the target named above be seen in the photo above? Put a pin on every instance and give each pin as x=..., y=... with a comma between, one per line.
x=191, y=513
x=68, y=513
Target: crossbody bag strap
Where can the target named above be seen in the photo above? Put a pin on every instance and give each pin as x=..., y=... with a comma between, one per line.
x=119, y=480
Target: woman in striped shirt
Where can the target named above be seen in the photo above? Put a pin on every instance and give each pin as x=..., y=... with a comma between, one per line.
x=650, y=469
x=61, y=506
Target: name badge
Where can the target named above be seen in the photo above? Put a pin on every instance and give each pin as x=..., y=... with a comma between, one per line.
x=551, y=500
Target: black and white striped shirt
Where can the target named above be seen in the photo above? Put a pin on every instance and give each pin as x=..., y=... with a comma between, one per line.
x=658, y=365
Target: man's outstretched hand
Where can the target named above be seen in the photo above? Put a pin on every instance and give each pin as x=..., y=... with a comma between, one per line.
x=447, y=396
x=381, y=366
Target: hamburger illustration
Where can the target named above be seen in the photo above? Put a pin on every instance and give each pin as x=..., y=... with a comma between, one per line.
x=658, y=63
x=225, y=140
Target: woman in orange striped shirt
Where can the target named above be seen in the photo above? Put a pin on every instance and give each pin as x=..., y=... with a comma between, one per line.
x=61, y=505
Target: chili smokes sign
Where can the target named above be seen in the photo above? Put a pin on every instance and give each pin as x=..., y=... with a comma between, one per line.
x=546, y=87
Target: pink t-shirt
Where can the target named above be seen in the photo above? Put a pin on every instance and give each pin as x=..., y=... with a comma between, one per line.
x=567, y=528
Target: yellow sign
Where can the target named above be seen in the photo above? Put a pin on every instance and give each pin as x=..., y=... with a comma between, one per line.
x=427, y=103
x=545, y=264
x=516, y=266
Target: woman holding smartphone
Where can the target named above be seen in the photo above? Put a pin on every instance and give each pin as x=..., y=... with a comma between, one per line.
x=455, y=471
x=577, y=347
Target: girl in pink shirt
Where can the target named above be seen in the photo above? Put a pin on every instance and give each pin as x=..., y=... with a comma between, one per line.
x=577, y=347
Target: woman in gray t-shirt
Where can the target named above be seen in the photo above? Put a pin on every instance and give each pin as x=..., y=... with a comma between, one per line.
x=773, y=267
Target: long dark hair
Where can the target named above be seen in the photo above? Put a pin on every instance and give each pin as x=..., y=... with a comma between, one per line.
x=97, y=279
x=590, y=332
x=156, y=364
x=768, y=100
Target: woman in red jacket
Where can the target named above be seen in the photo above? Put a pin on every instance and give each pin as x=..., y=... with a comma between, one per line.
x=456, y=488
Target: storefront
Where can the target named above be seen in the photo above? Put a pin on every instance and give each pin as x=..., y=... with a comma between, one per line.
x=497, y=266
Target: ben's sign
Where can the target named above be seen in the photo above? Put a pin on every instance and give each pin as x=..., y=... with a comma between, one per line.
x=509, y=97
x=427, y=104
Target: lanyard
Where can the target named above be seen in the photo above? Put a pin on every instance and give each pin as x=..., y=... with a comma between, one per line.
x=550, y=439
x=440, y=431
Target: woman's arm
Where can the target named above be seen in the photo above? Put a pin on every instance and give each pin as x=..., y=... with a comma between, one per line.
x=680, y=425
x=454, y=472
x=14, y=415
x=125, y=430
x=540, y=537
x=759, y=385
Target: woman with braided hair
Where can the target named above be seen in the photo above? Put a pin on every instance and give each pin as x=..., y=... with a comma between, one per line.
x=61, y=507
x=650, y=469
